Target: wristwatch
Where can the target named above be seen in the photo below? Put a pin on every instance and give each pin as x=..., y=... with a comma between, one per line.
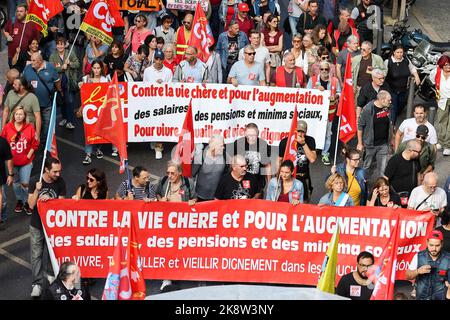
x=11, y=174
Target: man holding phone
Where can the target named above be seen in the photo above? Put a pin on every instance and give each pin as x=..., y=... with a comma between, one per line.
x=429, y=197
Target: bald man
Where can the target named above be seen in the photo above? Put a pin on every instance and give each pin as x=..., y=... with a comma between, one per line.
x=43, y=77
x=429, y=197
x=183, y=35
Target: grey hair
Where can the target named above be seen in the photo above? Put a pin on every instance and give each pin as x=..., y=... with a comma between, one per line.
x=367, y=43
x=236, y=158
x=176, y=164
x=383, y=94
x=287, y=54
x=377, y=72
x=352, y=38
x=249, y=46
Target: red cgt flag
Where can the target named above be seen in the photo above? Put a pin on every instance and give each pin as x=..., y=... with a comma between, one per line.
x=291, y=148
x=109, y=125
x=382, y=273
x=117, y=285
x=138, y=288
x=201, y=35
x=346, y=108
x=185, y=147
x=101, y=17
x=41, y=11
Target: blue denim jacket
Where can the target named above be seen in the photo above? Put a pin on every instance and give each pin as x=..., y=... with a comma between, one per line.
x=222, y=46
x=258, y=2
x=430, y=286
x=327, y=199
x=360, y=178
x=273, y=192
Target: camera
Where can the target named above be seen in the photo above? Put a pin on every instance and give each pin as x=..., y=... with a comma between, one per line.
x=443, y=275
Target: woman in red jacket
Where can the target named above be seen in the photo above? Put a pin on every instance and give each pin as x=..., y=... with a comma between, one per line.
x=21, y=137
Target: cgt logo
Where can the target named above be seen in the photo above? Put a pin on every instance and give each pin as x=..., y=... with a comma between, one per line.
x=101, y=12
x=45, y=11
x=93, y=104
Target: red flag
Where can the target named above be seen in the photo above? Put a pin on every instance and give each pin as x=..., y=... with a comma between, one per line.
x=185, y=147
x=382, y=273
x=346, y=108
x=109, y=125
x=41, y=11
x=138, y=288
x=201, y=35
x=290, y=152
x=101, y=17
x=117, y=285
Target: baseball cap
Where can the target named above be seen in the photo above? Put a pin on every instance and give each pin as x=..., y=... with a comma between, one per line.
x=243, y=7
x=435, y=234
x=158, y=54
x=302, y=126
x=422, y=130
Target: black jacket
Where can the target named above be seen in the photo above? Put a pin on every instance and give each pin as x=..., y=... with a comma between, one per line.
x=57, y=291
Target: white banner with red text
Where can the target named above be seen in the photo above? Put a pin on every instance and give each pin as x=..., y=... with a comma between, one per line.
x=155, y=112
x=233, y=240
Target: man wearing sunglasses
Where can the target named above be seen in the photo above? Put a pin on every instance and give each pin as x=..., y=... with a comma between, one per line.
x=182, y=36
x=370, y=90
x=427, y=156
x=327, y=82
x=247, y=71
x=408, y=128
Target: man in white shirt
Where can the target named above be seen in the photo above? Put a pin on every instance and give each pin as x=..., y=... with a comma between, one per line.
x=429, y=197
x=407, y=129
x=262, y=53
x=157, y=72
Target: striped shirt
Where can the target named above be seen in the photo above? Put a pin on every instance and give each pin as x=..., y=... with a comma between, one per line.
x=139, y=192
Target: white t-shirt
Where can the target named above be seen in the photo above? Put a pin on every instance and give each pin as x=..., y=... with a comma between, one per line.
x=152, y=75
x=409, y=126
x=262, y=55
x=436, y=201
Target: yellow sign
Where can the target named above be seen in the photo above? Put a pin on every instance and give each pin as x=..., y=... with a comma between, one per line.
x=139, y=5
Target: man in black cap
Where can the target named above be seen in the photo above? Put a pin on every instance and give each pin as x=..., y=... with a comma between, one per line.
x=427, y=156
x=306, y=154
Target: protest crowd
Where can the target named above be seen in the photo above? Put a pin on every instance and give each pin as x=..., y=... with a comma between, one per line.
x=385, y=162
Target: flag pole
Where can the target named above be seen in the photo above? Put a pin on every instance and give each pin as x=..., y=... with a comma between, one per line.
x=23, y=31
x=337, y=141
x=73, y=44
x=49, y=136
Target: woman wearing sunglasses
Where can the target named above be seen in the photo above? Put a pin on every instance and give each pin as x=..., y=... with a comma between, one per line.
x=21, y=136
x=95, y=187
x=136, y=35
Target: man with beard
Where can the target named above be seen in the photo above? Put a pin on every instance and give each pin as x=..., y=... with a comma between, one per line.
x=430, y=269
x=52, y=186
x=22, y=95
x=192, y=69
x=356, y=285
x=67, y=285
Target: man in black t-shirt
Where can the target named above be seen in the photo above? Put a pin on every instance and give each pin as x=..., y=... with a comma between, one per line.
x=256, y=152
x=52, y=186
x=6, y=177
x=375, y=132
x=306, y=154
x=238, y=184
x=356, y=285
x=403, y=168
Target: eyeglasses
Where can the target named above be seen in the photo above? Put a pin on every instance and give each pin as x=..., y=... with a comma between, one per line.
x=137, y=21
x=380, y=78
x=364, y=266
x=415, y=150
x=296, y=41
x=365, y=49
x=250, y=53
x=243, y=166
x=357, y=159
x=324, y=69
x=171, y=173
x=90, y=179
x=324, y=58
x=418, y=136
x=186, y=22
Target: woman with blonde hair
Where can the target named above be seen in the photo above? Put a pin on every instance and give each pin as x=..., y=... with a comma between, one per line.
x=336, y=195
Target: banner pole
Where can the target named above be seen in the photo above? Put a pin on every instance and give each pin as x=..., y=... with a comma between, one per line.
x=337, y=141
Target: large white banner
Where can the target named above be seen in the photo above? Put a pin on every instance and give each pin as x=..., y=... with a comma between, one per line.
x=156, y=111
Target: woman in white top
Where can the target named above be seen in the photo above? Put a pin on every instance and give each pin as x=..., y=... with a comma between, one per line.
x=301, y=56
x=96, y=75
